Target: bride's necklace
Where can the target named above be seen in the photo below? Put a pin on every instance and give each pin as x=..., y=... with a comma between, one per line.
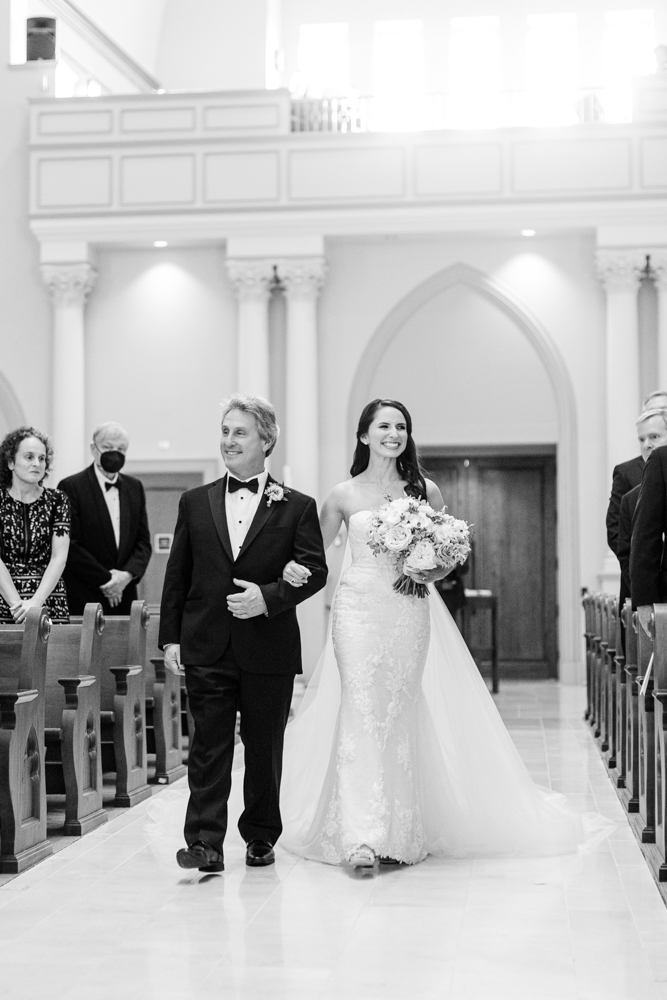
x=384, y=488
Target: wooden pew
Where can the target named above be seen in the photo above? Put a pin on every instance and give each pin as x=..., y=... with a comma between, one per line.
x=589, y=617
x=596, y=665
x=645, y=732
x=608, y=699
x=22, y=786
x=660, y=713
x=72, y=734
x=623, y=620
x=163, y=709
x=630, y=796
x=124, y=703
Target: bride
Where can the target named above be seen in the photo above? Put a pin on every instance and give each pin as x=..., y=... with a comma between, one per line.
x=398, y=750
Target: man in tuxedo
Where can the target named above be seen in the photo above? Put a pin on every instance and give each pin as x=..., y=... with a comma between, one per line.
x=652, y=434
x=648, y=555
x=110, y=546
x=629, y=474
x=229, y=617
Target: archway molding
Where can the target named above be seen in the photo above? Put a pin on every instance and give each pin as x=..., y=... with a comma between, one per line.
x=570, y=657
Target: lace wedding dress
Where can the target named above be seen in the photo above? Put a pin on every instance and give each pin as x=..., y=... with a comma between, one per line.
x=398, y=744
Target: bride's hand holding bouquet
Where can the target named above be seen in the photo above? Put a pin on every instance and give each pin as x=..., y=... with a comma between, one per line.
x=424, y=544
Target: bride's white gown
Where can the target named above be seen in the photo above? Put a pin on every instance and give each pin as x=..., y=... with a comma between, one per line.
x=398, y=744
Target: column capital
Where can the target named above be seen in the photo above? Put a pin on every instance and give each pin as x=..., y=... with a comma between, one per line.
x=251, y=278
x=69, y=284
x=620, y=270
x=659, y=268
x=302, y=277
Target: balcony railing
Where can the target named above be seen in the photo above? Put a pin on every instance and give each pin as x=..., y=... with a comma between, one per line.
x=431, y=112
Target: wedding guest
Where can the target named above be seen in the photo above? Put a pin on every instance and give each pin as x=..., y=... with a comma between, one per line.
x=628, y=474
x=34, y=529
x=652, y=433
x=111, y=544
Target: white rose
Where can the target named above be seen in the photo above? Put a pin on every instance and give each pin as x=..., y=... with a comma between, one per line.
x=397, y=538
x=392, y=517
x=419, y=519
x=422, y=557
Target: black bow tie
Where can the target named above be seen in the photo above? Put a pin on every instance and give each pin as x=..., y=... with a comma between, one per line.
x=111, y=486
x=236, y=484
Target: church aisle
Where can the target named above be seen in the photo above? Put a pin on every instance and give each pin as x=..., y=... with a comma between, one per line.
x=106, y=919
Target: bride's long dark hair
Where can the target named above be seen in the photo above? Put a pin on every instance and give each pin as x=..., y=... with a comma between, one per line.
x=407, y=463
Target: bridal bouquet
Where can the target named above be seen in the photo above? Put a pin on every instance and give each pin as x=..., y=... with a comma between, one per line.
x=417, y=538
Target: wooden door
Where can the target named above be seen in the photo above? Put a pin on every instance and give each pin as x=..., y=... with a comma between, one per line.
x=163, y=492
x=511, y=500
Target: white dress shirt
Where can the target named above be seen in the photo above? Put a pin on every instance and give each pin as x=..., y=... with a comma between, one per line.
x=240, y=508
x=112, y=500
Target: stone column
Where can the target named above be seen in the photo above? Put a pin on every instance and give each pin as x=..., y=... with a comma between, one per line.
x=302, y=279
x=620, y=273
x=252, y=280
x=69, y=285
x=659, y=273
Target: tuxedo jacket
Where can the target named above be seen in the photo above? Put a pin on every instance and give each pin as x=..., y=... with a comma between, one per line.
x=201, y=571
x=648, y=563
x=626, y=476
x=93, y=550
x=625, y=521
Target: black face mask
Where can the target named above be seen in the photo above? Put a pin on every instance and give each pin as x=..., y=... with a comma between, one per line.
x=112, y=461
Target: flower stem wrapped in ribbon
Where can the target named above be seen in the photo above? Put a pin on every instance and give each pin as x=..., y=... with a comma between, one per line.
x=417, y=539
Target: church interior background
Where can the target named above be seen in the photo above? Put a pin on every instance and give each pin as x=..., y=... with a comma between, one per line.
x=461, y=205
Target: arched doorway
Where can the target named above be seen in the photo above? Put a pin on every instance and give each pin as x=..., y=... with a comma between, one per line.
x=546, y=357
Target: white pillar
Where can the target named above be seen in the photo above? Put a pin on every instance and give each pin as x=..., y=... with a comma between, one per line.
x=302, y=279
x=252, y=280
x=620, y=273
x=659, y=272
x=69, y=285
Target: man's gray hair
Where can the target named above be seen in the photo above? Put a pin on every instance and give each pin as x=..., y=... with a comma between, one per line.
x=261, y=410
x=647, y=414
x=652, y=395
x=112, y=428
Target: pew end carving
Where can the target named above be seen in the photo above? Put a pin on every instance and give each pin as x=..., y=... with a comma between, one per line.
x=163, y=710
x=22, y=710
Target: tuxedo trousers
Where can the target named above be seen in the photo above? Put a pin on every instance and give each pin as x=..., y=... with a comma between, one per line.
x=216, y=691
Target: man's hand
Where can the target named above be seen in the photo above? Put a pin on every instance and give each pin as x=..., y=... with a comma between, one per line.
x=249, y=604
x=172, y=656
x=295, y=574
x=644, y=617
x=113, y=589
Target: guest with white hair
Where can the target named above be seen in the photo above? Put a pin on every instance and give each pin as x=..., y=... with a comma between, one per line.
x=111, y=545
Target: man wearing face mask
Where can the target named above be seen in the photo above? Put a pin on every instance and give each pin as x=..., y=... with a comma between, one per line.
x=111, y=545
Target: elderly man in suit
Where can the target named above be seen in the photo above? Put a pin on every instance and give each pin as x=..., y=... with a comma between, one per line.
x=652, y=434
x=229, y=617
x=111, y=545
x=629, y=474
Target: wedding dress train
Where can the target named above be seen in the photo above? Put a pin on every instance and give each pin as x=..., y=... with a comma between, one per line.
x=398, y=744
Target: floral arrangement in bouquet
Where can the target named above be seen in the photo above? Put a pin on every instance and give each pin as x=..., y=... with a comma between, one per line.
x=417, y=538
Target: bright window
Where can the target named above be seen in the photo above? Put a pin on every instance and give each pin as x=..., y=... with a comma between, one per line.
x=628, y=44
x=323, y=60
x=474, y=71
x=551, y=69
x=398, y=103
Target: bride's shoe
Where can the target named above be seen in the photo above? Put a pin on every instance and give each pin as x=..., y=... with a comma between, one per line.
x=362, y=857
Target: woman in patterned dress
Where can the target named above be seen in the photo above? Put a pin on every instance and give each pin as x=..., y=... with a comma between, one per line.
x=34, y=530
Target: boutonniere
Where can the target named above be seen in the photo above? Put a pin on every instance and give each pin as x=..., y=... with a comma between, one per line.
x=274, y=491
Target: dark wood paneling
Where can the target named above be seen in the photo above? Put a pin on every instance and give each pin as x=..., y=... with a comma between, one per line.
x=511, y=500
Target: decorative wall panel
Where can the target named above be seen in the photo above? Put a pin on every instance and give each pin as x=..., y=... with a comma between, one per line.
x=234, y=177
x=158, y=120
x=336, y=174
x=242, y=117
x=75, y=123
x=653, y=153
x=157, y=180
x=458, y=168
x=74, y=183
x=574, y=165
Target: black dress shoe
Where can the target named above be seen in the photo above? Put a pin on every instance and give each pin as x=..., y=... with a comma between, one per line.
x=202, y=856
x=259, y=853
